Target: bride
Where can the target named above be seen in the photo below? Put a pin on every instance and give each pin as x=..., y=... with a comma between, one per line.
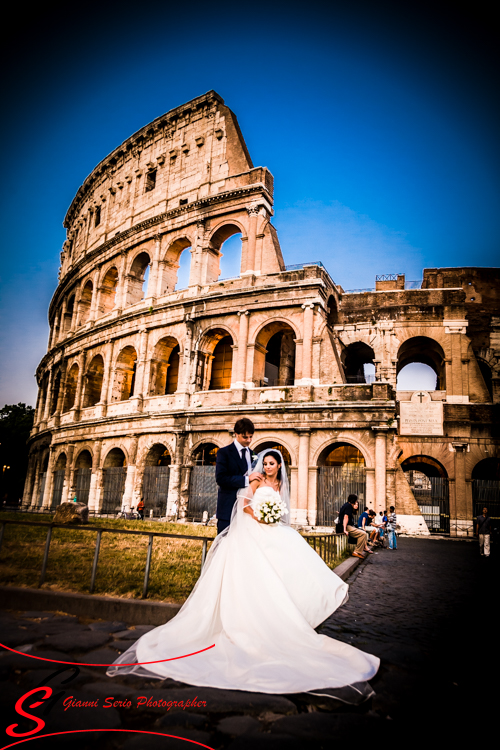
x=262, y=592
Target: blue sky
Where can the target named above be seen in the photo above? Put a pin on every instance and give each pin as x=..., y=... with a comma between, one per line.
x=379, y=125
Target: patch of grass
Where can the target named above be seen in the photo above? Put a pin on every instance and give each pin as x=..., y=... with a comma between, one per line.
x=175, y=563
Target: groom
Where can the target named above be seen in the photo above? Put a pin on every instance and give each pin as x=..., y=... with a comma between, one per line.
x=233, y=470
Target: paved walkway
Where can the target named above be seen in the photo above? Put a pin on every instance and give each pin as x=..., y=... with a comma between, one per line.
x=421, y=608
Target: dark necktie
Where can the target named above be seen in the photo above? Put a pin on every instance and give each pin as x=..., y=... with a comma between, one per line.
x=244, y=458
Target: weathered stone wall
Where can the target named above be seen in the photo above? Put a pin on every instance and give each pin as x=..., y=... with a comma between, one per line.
x=131, y=364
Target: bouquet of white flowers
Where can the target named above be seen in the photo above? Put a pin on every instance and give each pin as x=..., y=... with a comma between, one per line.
x=270, y=510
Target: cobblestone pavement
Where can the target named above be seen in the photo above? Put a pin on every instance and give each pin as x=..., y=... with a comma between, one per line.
x=423, y=609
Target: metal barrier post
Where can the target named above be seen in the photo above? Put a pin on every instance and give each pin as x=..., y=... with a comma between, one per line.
x=45, y=556
x=148, y=565
x=96, y=558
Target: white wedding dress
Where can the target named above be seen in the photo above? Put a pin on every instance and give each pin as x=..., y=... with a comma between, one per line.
x=262, y=592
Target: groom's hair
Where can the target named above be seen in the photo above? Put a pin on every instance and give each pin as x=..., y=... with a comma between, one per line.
x=352, y=499
x=244, y=425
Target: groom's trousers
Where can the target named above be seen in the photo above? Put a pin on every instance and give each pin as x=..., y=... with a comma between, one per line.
x=222, y=524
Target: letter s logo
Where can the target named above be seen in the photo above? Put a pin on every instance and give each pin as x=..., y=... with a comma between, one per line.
x=39, y=723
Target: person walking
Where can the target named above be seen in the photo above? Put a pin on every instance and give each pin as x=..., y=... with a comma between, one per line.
x=483, y=530
x=140, y=509
x=346, y=526
x=392, y=521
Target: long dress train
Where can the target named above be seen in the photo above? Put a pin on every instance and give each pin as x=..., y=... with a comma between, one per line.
x=262, y=592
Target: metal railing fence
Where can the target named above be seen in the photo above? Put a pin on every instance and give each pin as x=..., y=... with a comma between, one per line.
x=100, y=531
x=329, y=546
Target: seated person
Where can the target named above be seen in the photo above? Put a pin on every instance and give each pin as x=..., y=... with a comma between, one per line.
x=373, y=528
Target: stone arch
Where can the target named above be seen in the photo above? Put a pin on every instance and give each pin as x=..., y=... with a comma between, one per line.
x=114, y=458
x=54, y=397
x=61, y=461
x=274, y=354
x=424, y=350
x=269, y=444
x=354, y=357
x=487, y=469
x=85, y=302
x=68, y=315
x=164, y=375
x=125, y=369
x=172, y=258
x=218, y=238
x=158, y=455
x=93, y=381
x=341, y=453
x=427, y=465
x=71, y=385
x=486, y=373
x=107, y=291
x=136, y=278
x=84, y=459
x=333, y=311
x=205, y=453
x=343, y=438
x=215, y=359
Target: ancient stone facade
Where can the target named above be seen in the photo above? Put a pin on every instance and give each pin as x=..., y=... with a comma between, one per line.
x=141, y=377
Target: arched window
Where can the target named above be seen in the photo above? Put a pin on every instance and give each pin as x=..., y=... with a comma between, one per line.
x=68, y=315
x=113, y=485
x=136, y=279
x=126, y=364
x=425, y=351
x=227, y=263
x=428, y=481
x=357, y=359
x=165, y=367
x=177, y=266
x=82, y=477
x=55, y=393
x=222, y=364
x=341, y=472
x=94, y=378
x=333, y=313
x=155, y=480
x=274, y=357
x=86, y=302
x=108, y=291
x=71, y=383
x=205, y=454
x=486, y=489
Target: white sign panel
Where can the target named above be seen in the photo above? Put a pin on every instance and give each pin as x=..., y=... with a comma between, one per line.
x=421, y=415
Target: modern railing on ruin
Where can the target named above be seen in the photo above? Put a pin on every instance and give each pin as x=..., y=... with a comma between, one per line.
x=330, y=547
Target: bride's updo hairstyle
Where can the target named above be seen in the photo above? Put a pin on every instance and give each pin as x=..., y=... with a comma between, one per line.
x=277, y=458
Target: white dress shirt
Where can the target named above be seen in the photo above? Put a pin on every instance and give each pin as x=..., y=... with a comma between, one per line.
x=241, y=448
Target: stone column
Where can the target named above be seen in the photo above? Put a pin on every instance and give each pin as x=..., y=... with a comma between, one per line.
x=128, y=493
x=96, y=477
x=461, y=511
x=303, y=477
x=380, y=466
x=79, y=386
x=456, y=389
x=36, y=483
x=68, y=474
x=195, y=270
x=174, y=483
x=152, y=290
x=307, y=345
x=48, y=397
x=370, y=488
x=253, y=212
x=95, y=298
x=138, y=394
x=29, y=481
x=62, y=389
x=240, y=379
x=49, y=480
x=102, y=405
x=120, y=287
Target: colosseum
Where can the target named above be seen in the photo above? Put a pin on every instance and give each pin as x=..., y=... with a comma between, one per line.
x=142, y=380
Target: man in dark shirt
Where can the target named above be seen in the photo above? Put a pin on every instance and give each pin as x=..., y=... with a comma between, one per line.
x=346, y=526
x=483, y=530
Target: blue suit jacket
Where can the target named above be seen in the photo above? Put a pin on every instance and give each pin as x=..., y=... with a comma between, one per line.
x=230, y=476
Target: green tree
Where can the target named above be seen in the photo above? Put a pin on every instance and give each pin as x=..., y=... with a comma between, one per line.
x=16, y=421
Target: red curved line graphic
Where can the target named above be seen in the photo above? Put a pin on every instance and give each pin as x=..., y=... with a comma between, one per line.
x=85, y=664
x=135, y=731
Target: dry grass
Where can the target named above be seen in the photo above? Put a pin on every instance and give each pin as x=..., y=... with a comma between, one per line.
x=175, y=564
